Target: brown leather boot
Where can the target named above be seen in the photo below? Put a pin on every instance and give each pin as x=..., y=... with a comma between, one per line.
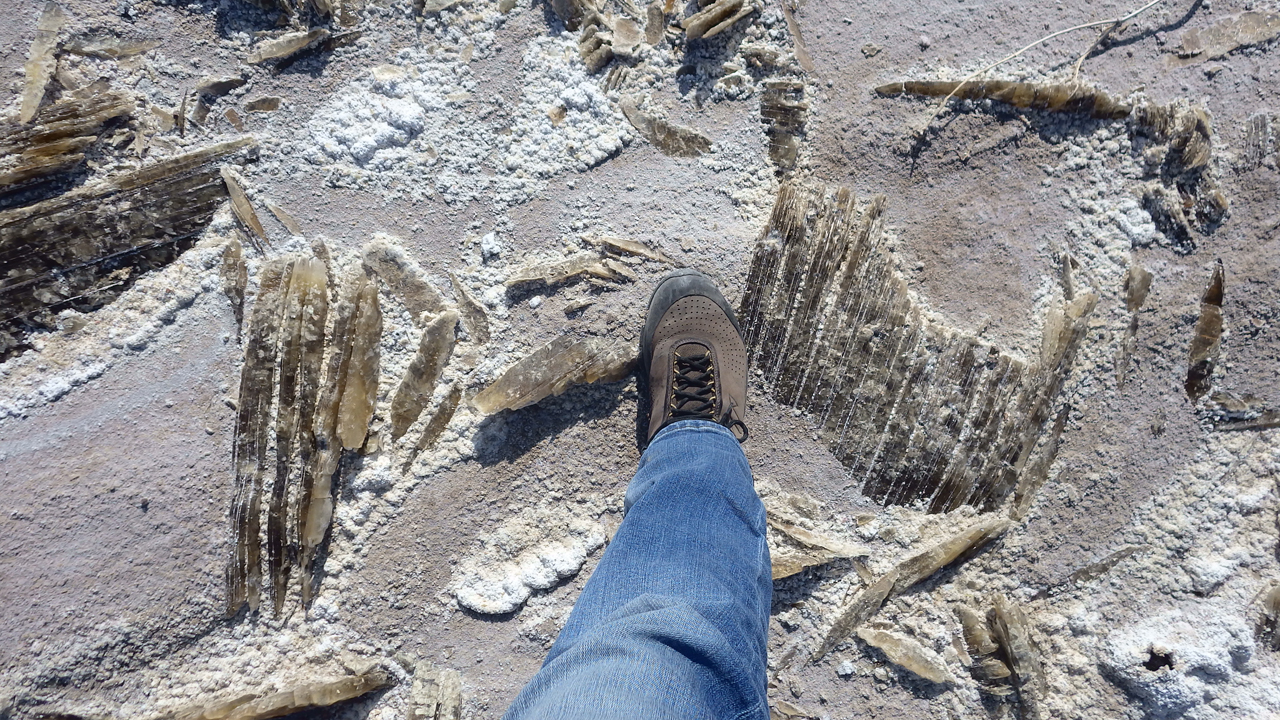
x=693, y=364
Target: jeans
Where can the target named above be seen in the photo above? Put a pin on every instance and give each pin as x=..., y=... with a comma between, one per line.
x=673, y=622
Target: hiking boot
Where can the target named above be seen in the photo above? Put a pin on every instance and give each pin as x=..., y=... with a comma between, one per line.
x=693, y=363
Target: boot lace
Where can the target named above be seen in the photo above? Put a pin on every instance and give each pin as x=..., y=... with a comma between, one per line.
x=694, y=393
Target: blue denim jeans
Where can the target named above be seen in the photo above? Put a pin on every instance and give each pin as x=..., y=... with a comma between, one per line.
x=673, y=622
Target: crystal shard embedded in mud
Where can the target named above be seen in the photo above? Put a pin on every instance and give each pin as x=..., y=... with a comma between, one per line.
x=856, y=611
x=235, y=277
x=57, y=140
x=1206, y=344
x=41, y=62
x=553, y=368
x=360, y=385
x=1012, y=633
x=784, y=111
x=301, y=354
x=252, y=438
x=916, y=410
x=908, y=654
x=294, y=699
x=81, y=249
x=674, y=140
x=424, y=372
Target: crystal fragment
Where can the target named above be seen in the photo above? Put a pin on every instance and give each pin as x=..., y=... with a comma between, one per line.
x=908, y=654
x=1206, y=344
x=571, y=12
x=269, y=103
x=474, y=318
x=1268, y=629
x=571, y=268
x=219, y=86
x=673, y=140
x=1227, y=35
x=41, y=62
x=1165, y=208
x=623, y=246
x=856, y=611
x=424, y=697
x=988, y=668
x=243, y=209
x=233, y=117
x=1259, y=140
x=595, y=44
x=919, y=567
x=285, y=45
x=257, y=380
x=285, y=219
x=81, y=249
x=553, y=368
x=235, y=276
x=436, y=425
x=301, y=355
x=655, y=24
x=108, y=47
x=793, y=27
x=1037, y=471
x=295, y=699
x=1053, y=97
x=404, y=278
x=1137, y=284
x=450, y=707
x=941, y=416
x=360, y=385
x=711, y=16
x=807, y=549
x=784, y=111
x=783, y=710
x=316, y=502
x=1010, y=630
x=419, y=382
x=57, y=143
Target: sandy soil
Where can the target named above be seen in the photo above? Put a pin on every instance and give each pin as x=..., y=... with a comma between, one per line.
x=117, y=489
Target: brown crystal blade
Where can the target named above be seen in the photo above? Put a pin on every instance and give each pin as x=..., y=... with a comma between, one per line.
x=1054, y=97
x=41, y=62
x=360, y=384
x=1206, y=344
x=404, y=278
x=419, y=382
x=474, y=317
x=671, y=139
x=253, y=422
x=554, y=368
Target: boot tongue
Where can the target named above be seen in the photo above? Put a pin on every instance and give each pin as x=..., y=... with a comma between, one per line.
x=692, y=349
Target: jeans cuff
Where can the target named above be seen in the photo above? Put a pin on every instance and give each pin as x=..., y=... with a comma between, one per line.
x=681, y=426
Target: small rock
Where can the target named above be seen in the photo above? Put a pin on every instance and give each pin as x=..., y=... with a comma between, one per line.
x=490, y=248
x=845, y=669
x=535, y=302
x=870, y=50
x=925, y=42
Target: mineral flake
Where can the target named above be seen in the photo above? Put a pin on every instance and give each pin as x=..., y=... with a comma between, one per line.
x=858, y=610
x=1053, y=97
x=1227, y=35
x=553, y=368
x=908, y=654
x=242, y=208
x=1207, y=342
x=286, y=702
x=784, y=111
x=360, y=383
x=41, y=63
x=916, y=410
x=424, y=372
x=671, y=139
x=436, y=694
x=253, y=420
x=1010, y=630
x=235, y=276
x=285, y=45
x=585, y=263
x=988, y=668
x=474, y=319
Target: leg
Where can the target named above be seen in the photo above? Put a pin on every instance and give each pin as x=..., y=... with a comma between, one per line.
x=673, y=622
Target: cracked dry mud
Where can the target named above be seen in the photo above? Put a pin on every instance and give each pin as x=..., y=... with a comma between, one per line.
x=316, y=318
